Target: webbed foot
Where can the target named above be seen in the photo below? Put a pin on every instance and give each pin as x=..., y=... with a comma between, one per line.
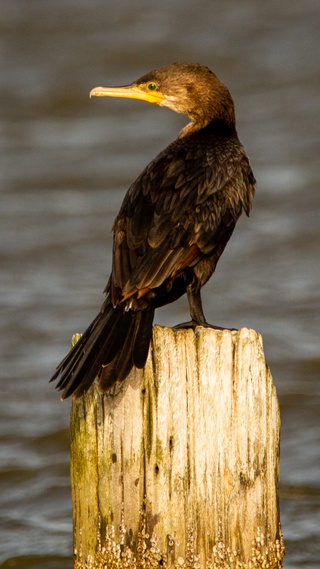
x=193, y=324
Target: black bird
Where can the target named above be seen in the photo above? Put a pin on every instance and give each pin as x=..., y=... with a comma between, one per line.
x=172, y=228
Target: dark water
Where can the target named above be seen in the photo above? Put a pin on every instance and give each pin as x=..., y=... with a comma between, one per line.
x=66, y=162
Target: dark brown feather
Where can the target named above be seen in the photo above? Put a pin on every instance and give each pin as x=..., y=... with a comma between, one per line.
x=171, y=230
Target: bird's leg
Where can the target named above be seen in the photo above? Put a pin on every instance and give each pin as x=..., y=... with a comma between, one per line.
x=196, y=312
x=195, y=307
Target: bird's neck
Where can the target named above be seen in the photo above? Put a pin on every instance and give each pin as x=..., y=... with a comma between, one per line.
x=212, y=113
x=214, y=128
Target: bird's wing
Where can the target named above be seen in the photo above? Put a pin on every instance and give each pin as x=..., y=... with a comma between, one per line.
x=176, y=212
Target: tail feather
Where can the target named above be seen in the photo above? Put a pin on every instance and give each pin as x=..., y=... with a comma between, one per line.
x=142, y=338
x=124, y=363
x=114, y=342
x=119, y=332
x=82, y=364
x=67, y=367
x=134, y=351
x=70, y=359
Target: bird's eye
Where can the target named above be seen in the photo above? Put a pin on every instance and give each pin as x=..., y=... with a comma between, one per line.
x=152, y=86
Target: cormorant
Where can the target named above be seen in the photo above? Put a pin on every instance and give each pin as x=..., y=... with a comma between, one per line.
x=172, y=227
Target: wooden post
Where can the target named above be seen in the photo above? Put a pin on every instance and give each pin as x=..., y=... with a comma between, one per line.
x=179, y=466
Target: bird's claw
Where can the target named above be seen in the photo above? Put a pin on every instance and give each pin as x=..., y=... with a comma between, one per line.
x=193, y=325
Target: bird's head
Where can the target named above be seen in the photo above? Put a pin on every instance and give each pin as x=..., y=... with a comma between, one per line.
x=190, y=89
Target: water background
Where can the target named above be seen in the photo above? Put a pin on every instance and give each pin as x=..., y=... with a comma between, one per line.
x=66, y=163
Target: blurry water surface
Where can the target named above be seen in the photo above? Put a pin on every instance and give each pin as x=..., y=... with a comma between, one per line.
x=66, y=163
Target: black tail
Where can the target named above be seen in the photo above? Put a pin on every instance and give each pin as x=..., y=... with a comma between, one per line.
x=114, y=342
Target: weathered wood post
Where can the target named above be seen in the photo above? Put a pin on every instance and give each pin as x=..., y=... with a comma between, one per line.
x=179, y=466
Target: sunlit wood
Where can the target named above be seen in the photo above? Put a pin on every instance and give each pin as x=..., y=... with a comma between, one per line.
x=185, y=451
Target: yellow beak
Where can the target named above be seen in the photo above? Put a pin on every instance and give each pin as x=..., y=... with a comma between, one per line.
x=129, y=92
